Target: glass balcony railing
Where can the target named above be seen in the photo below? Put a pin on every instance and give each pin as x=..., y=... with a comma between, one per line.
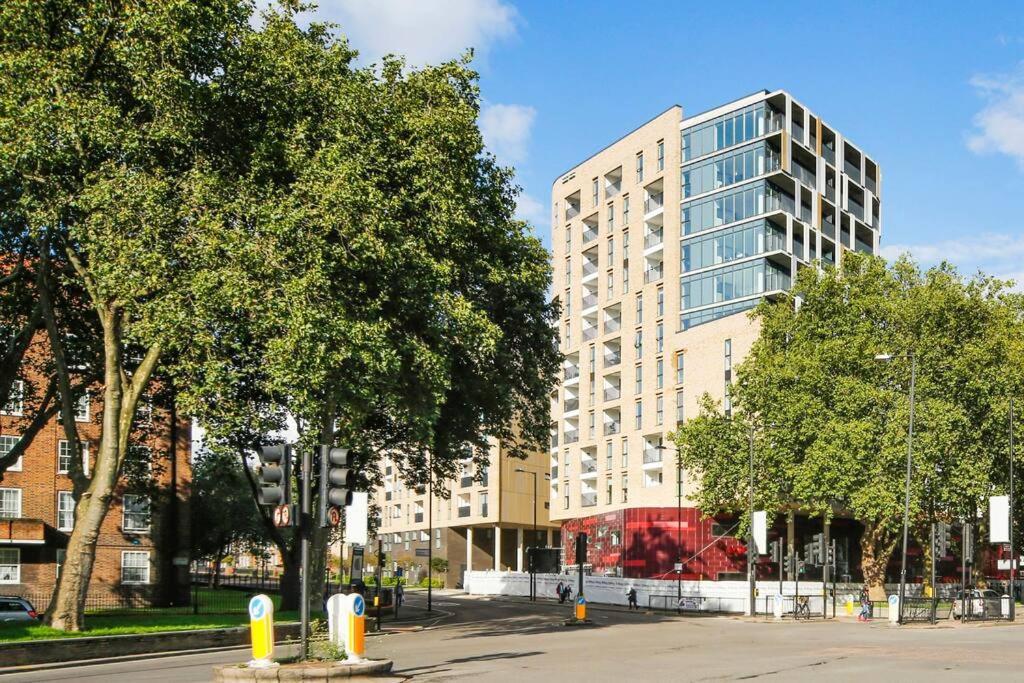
x=652, y=455
x=587, y=466
x=804, y=175
x=571, y=372
x=588, y=500
x=589, y=333
x=612, y=359
x=869, y=183
x=611, y=428
x=775, y=122
x=654, y=202
x=611, y=393
x=856, y=208
x=654, y=239
x=589, y=235
x=571, y=404
x=554, y=440
x=554, y=471
x=571, y=211
x=828, y=154
x=589, y=300
x=572, y=437
x=589, y=268
x=798, y=132
x=830, y=192
x=653, y=274
x=852, y=171
x=612, y=325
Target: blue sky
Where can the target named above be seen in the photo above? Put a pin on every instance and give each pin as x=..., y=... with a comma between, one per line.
x=933, y=91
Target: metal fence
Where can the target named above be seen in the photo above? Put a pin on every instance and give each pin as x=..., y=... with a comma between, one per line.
x=795, y=606
x=238, y=581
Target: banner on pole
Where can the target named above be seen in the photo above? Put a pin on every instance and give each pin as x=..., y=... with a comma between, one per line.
x=760, y=529
x=355, y=518
x=999, y=519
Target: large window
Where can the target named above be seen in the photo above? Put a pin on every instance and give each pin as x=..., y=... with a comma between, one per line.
x=65, y=511
x=136, y=513
x=82, y=408
x=10, y=565
x=7, y=442
x=16, y=401
x=727, y=130
x=10, y=503
x=661, y=155
x=688, y=320
x=732, y=282
x=724, y=208
x=731, y=244
x=727, y=169
x=134, y=567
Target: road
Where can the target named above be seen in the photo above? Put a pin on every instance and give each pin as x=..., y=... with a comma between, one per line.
x=508, y=640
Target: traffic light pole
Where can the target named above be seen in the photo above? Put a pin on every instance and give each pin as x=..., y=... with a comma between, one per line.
x=305, y=520
x=1013, y=548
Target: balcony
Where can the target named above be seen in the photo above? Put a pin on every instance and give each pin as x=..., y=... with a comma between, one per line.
x=418, y=517
x=830, y=192
x=852, y=170
x=828, y=154
x=571, y=404
x=653, y=274
x=589, y=268
x=869, y=183
x=589, y=333
x=554, y=440
x=804, y=175
x=612, y=359
x=464, y=511
x=572, y=436
x=652, y=455
x=611, y=428
x=775, y=122
x=571, y=372
x=856, y=208
x=554, y=471
x=588, y=500
x=588, y=466
x=612, y=325
x=589, y=301
x=611, y=394
x=654, y=202
x=654, y=239
x=465, y=481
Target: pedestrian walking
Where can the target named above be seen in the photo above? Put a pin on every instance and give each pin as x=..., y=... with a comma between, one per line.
x=568, y=593
x=399, y=594
x=865, y=606
x=631, y=596
x=559, y=593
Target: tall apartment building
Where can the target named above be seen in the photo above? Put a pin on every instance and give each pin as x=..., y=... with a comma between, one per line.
x=143, y=548
x=662, y=243
x=486, y=521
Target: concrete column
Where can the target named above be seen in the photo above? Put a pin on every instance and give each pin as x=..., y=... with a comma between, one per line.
x=547, y=539
x=520, y=545
x=791, y=544
x=497, y=548
x=469, y=548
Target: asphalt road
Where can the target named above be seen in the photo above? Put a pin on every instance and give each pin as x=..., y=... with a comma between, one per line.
x=511, y=640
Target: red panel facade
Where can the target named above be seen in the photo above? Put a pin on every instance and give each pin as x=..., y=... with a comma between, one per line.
x=645, y=543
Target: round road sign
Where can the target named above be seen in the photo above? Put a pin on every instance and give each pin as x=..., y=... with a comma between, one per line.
x=282, y=515
x=333, y=516
x=358, y=605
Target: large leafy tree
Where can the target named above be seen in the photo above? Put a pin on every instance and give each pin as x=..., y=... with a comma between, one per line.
x=831, y=421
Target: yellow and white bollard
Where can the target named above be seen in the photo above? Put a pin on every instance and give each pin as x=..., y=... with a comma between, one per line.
x=581, y=608
x=261, y=626
x=346, y=622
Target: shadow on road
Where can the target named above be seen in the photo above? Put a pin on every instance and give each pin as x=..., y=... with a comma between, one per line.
x=438, y=668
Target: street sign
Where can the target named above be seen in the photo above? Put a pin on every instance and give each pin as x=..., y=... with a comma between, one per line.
x=356, y=518
x=261, y=626
x=333, y=516
x=283, y=516
x=760, y=531
x=422, y=552
x=999, y=519
x=678, y=567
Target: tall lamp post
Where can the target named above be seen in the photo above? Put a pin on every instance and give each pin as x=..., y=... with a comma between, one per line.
x=886, y=357
x=679, y=522
x=751, y=548
x=1013, y=548
x=533, y=586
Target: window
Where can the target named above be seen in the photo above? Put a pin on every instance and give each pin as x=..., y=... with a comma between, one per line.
x=659, y=338
x=625, y=488
x=659, y=368
x=639, y=413
x=727, y=401
x=640, y=167
x=8, y=442
x=638, y=384
x=82, y=408
x=568, y=239
x=680, y=414
x=437, y=538
x=65, y=511
x=144, y=414
x=138, y=462
x=609, y=451
x=625, y=276
x=732, y=244
x=63, y=457
x=659, y=409
x=565, y=498
x=135, y=516
x=680, y=373
x=16, y=401
x=608, y=490
x=639, y=308
x=661, y=302
x=732, y=282
x=611, y=250
x=610, y=289
x=483, y=504
x=594, y=187
x=590, y=425
x=661, y=155
x=625, y=210
x=625, y=452
x=638, y=343
x=611, y=216
x=61, y=556
x=728, y=355
x=134, y=567
x=10, y=503
x=10, y=565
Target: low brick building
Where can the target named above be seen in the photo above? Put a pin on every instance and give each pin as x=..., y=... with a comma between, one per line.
x=143, y=548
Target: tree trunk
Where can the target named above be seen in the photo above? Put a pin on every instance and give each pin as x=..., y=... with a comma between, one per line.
x=290, y=579
x=215, y=577
x=120, y=397
x=876, y=547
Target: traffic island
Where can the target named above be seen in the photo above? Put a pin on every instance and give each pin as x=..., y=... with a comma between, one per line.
x=577, y=622
x=303, y=671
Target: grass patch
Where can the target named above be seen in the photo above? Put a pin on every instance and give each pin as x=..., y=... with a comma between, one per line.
x=98, y=625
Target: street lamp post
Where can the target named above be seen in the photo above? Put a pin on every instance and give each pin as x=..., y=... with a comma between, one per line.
x=1013, y=549
x=751, y=549
x=533, y=576
x=906, y=497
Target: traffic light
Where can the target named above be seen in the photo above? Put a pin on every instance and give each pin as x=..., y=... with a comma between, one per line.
x=775, y=547
x=941, y=539
x=830, y=560
x=814, y=551
x=275, y=475
x=968, y=543
x=581, y=548
x=336, y=481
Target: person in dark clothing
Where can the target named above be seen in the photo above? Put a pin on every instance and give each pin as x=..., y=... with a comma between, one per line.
x=560, y=592
x=631, y=596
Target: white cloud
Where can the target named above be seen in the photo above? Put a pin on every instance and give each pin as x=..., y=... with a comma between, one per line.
x=533, y=212
x=424, y=31
x=996, y=254
x=999, y=126
x=506, y=129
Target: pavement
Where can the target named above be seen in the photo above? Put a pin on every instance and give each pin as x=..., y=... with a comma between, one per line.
x=510, y=639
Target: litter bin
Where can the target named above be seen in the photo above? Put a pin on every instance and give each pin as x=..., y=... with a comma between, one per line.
x=1004, y=606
